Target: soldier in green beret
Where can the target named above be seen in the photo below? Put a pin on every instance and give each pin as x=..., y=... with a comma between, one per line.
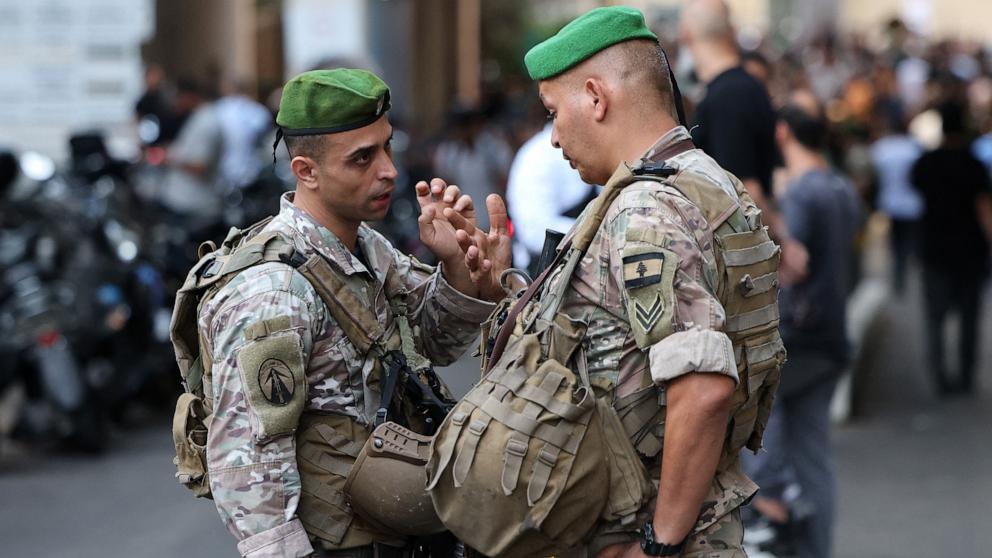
x=291, y=396
x=677, y=286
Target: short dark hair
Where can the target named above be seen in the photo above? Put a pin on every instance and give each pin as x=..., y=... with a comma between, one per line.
x=756, y=57
x=809, y=130
x=310, y=145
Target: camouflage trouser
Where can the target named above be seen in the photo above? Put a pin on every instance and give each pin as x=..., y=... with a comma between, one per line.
x=723, y=539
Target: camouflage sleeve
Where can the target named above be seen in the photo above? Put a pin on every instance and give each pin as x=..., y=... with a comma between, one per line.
x=259, y=334
x=662, y=258
x=445, y=321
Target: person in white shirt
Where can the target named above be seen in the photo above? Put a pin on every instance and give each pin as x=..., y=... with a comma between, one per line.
x=543, y=192
x=191, y=187
x=243, y=123
x=893, y=155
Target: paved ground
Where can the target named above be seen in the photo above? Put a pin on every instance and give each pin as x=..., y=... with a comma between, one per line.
x=915, y=476
x=126, y=504
x=915, y=472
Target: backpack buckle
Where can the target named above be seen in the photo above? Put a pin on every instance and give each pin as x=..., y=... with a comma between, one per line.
x=662, y=169
x=211, y=269
x=292, y=257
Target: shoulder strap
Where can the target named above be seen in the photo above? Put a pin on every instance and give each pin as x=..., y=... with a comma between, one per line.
x=351, y=313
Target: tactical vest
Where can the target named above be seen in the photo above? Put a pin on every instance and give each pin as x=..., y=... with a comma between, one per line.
x=530, y=440
x=747, y=273
x=326, y=445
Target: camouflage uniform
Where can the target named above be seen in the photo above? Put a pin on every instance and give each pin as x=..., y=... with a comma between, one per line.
x=254, y=475
x=632, y=348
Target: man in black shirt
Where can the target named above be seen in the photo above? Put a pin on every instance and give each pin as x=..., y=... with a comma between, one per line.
x=957, y=226
x=735, y=123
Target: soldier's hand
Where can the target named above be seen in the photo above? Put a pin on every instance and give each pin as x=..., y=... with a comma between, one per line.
x=436, y=232
x=487, y=254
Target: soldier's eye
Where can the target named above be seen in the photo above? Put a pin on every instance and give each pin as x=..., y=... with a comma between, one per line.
x=363, y=158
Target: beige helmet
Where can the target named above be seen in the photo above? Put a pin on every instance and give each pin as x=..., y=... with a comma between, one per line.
x=386, y=485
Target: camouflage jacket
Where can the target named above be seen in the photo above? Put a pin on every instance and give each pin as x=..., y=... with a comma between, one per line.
x=254, y=476
x=673, y=325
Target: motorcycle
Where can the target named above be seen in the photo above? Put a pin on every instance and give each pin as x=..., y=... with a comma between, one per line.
x=38, y=358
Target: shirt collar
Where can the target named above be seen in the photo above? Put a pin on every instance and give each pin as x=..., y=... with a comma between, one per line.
x=670, y=137
x=318, y=237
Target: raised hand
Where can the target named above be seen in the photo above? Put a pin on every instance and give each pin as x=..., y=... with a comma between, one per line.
x=487, y=254
x=436, y=232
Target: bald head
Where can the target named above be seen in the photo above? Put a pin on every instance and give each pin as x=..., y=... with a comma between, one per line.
x=707, y=21
x=806, y=101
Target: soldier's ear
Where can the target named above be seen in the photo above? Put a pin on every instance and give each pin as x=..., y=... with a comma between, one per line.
x=305, y=170
x=595, y=98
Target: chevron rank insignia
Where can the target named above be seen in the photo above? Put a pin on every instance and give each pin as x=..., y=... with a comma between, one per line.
x=647, y=316
x=640, y=270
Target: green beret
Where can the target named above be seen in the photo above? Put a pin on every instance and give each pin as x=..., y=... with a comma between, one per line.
x=331, y=101
x=583, y=37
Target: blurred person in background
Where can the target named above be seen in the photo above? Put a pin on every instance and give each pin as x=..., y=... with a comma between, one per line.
x=735, y=123
x=190, y=188
x=827, y=74
x=543, y=192
x=156, y=103
x=822, y=210
x=473, y=158
x=893, y=155
x=243, y=121
x=757, y=66
x=956, y=230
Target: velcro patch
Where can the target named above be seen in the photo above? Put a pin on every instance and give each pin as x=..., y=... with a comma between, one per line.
x=275, y=382
x=649, y=287
x=640, y=270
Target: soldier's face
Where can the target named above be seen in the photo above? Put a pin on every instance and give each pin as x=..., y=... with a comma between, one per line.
x=573, y=128
x=356, y=175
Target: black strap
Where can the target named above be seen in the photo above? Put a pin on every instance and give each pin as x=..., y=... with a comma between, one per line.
x=676, y=93
x=275, y=144
x=395, y=366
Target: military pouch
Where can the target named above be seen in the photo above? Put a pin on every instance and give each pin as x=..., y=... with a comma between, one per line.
x=765, y=358
x=751, y=261
x=527, y=441
x=630, y=486
x=189, y=434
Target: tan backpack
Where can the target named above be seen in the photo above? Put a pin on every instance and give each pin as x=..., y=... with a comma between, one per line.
x=532, y=458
